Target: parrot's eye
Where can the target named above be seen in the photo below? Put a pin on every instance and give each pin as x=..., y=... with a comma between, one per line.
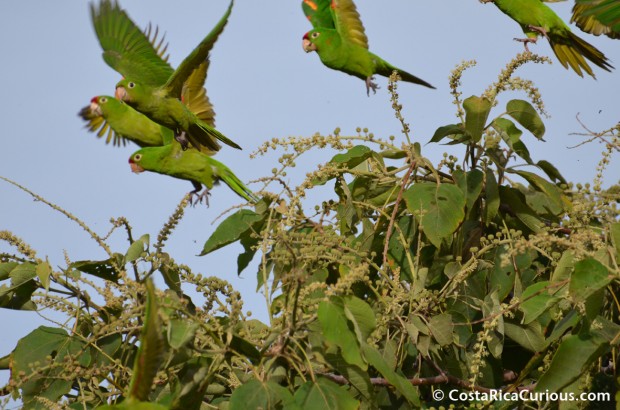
x=131, y=84
x=315, y=34
x=103, y=100
x=137, y=157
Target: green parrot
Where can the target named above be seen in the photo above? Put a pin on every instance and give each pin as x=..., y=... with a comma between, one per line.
x=339, y=39
x=190, y=165
x=598, y=17
x=150, y=85
x=536, y=18
x=119, y=122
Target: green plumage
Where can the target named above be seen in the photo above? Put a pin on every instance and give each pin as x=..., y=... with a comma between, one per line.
x=189, y=165
x=536, y=18
x=598, y=17
x=339, y=39
x=150, y=85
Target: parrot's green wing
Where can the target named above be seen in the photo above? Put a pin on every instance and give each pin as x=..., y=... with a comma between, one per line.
x=598, y=17
x=96, y=123
x=195, y=96
x=126, y=48
x=174, y=84
x=318, y=13
x=348, y=23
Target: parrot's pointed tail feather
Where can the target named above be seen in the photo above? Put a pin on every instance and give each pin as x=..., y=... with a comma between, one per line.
x=202, y=134
x=236, y=185
x=572, y=50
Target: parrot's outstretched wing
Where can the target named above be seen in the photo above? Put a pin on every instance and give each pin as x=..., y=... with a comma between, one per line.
x=126, y=48
x=348, y=23
x=318, y=13
x=97, y=124
x=598, y=17
x=174, y=84
x=194, y=95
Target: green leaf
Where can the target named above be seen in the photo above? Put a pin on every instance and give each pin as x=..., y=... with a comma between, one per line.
x=6, y=268
x=575, y=354
x=137, y=248
x=361, y=315
x=491, y=193
x=451, y=129
x=399, y=252
x=38, y=346
x=43, y=271
x=476, y=113
x=258, y=395
x=507, y=130
x=231, y=229
x=352, y=157
x=101, y=269
x=614, y=230
x=534, y=306
x=589, y=276
x=554, y=194
x=181, y=332
x=516, y=207
x=442, y=329
x=399, y=382
x=440, y=209
x=336, y=330
x=526, y=115
x=529, y=336
x=551, y=171
x=324, y=394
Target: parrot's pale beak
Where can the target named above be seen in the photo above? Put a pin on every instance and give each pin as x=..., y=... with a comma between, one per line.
x=95, y=109
x=135, y=167
x=120, y=93
x=308, y=46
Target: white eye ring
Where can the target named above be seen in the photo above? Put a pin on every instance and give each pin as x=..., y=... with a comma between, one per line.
x=131, y=84
x=315, y=34
x=103, y=100
x=137, y=157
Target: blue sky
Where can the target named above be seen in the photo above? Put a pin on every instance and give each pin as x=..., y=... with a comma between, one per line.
x=262, y=85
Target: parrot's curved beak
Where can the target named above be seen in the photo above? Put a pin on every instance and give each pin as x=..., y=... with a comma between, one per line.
x=95, y=108
x=120, y=93
x=135, y=167
x=307, y=45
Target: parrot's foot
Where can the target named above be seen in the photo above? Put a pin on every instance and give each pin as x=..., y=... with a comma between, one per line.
x=181, y=138
x=525, y=41
x=540, y=30
x=371, y=85
x=196, y=197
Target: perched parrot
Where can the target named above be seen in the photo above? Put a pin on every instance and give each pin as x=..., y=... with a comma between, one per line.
x=150, y=85
x=339, y=39
x=598, y=17
x=536, y=18
x=190, y=165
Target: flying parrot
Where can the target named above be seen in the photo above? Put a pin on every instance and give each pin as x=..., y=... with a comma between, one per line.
x=119, y=122
x=339, y=39
x=598, y=17
x=190, y=165
x=150, y=85
x=536, y=18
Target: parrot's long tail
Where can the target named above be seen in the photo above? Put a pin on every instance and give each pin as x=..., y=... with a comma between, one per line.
x=410, y=78
x=202, y=134
x=230, y=179
x=571, y=50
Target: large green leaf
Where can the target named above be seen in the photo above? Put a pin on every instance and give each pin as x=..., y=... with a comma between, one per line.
x=399, y=382
x=260, y=395
x=589, y=276
x=529, y=337
x=105, y=269
x=442, y=329
x=536, y=301
x=575, y=354
x=324, y=394
x=477, y=111
x=352, y=157
x=361, y=316
x=446, y=130
x=440, y=209
x=335, y=325
x=491, y=193
x=39, y=346
x=231, y=229
x=137, y=248
x=526, y=115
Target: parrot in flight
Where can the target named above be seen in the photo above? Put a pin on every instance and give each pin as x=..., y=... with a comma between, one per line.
x=536, y=19
x=598, y=17
x=339, y=39
x=150, y=85
x=191, y=165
